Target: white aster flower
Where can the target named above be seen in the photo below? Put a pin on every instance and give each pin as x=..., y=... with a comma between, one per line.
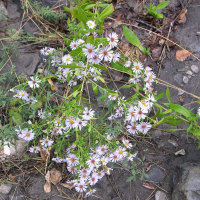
x=106, y=54
x=27, y=135
x=34, y=149
x=22, y=94
x=90, y=24
x=90, y=193
x=34, y=82
x=127, y=144
x=143, y=127
x=67, y=59
x=89, y=50
x=46, y=142
x=127, y=64
x=137, y=67
x=72, y=160
x=73, y=45
x=80, y=42
x=116, y=57
x=113, y=39
x=81, y=187
x=88, y=114
x=132, y=129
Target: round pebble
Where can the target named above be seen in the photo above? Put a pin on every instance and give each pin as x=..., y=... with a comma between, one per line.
x=195, y=69
x=185, y=79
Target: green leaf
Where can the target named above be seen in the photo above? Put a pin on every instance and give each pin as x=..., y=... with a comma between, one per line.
x=107, y=11
x=174, y=122
x=132, y=38
x=68, y=77
x=166, y=112
x=89, y=6
x=129, y=179
x=175, y=129
x=17, y=118
x=67, y=9
x=82, y=15
x=196, y=132
x=161, y=5
x=119, y=66
x=67, y=41
x=37, y=105
x=180, y=109
x=168, y=95
x=75, y=52
x=77, y=88
x=146, y=175
x=103, y=97
x=101, y=67
x=156, y=14
x=90, y=39
x=160, y=96
x=71, y=66
x=133, y=172
x=94, y=87
x=127, y=86
x=101, y=79
x=76, y=72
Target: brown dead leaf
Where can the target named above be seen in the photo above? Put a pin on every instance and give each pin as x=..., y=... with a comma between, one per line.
x=156, y=53
x=68, y=185
x=182, y=18
x=11, y=177
x=43, y=154
x=182, y=54
x=55, y=176
x=47, y=185
x=148, y=186
x=181, y=98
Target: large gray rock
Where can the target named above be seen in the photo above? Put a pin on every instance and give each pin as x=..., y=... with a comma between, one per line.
x=186, y=182
x=5, y=188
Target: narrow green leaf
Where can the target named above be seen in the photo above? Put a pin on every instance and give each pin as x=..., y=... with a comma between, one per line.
x=166, y=112
x=68, y=77
x=129, y=179
x=161, y=5
x=82, y=15
x=159, y=96
x=17, y=118
x=71, y=66
x=75, y=52
x=90, y=39
x=101, y=67
x=67, y=9
x=103, y=97
x=197, y=132
x=180, y=109
x=132, y=38
x=107, y=11
x=37, y=105
x=168, y=95
x=119, y=66
x=101, y=79
x=67, y=41
x=77, y=87
x=175, y=129
x=94, y=87
x=174, y=122
x=156, y=14
x=127, y=86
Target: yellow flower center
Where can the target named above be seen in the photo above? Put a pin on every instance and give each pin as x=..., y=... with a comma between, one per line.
x=147, y=71
x=27, y=134
x=58, y=121
x=73, y=144
x=120, y=152
x=90, y=24
x=150, y=77
x=67, y=59
x=23, y=94
x=103, y=160
x=71, y=121
x=137, y=67
x=126, y=143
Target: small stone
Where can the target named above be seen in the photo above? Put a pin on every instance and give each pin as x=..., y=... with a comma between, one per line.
x=156, y=174
x=5, y=188
x=180, y=152
x=198, y=33
x=189, y=76
x=182, y=70
x=189, y=73
x=40, y=71
x=195, y=69
x=173, y=142
x=160, y=196
x=178, y=78
x=180, y=92
x=185, y=79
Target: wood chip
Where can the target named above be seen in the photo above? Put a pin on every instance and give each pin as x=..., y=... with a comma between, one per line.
x=182, y=54
x=148, y=186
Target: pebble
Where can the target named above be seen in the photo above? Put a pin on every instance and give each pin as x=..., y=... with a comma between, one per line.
x=185, y=79
x=189, y=72
x=180, y=92
x=178, y=78
x=160, y=196
x=173, y=142
x=156, y=174
x=182, y=70
x=195, y=69
x=5, y=188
